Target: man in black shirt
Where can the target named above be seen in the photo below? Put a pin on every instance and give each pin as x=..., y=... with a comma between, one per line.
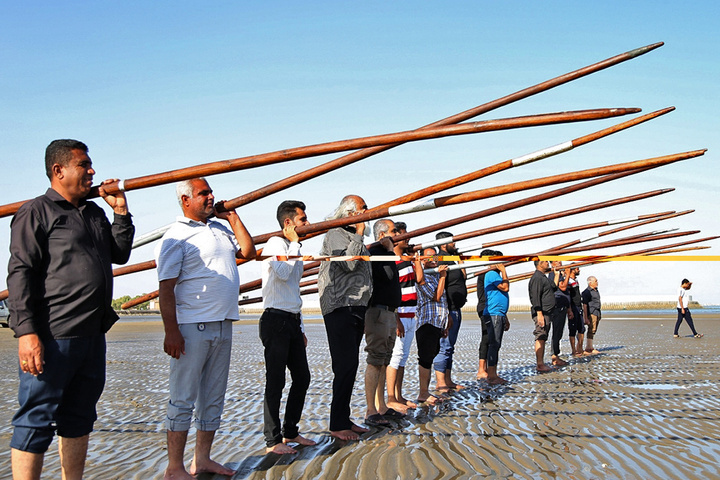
x=456, y=291
x=381, y=324
x=559, y=279
x=60, y=287
x=542, y=303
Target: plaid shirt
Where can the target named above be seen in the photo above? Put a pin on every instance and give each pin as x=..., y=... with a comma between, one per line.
x=428, y=310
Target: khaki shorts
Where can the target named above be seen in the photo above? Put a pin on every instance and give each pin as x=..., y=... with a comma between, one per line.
x=593, y=326
x=380, y=333
x=541, y=333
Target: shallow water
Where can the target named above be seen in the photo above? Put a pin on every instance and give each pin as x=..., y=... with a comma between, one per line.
x=648, y=406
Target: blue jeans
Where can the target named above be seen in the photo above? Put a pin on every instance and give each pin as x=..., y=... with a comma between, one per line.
x=443, y=361
x=63, y=397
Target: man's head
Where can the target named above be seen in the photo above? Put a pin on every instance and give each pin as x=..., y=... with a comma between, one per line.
x=401, y=228
x=429, y=262
x=350, y=205
x=575, y=272
x=488, y=252
x=69, y=169
x=592, y=282
x=556, y=264
x=448, y=247
x=196, y=199
x=291, y=212
x=686, y=284
x=384, y=228
x=542, y=265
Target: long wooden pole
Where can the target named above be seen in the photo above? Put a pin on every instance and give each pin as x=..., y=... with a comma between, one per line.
x=487, y=193
x=550, y=233
x=147, y=265
x=280, y=156
x=524, y=159
x=604, y=258
x=460, y=117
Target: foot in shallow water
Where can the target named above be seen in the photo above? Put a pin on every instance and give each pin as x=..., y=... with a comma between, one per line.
x=280, y=449
x=300, y=440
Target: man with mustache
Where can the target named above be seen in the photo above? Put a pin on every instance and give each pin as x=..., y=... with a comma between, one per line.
x=60, y=284
x=199, y=287
x=456, y=292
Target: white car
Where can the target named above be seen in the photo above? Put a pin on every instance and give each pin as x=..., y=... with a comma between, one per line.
x=4, y=313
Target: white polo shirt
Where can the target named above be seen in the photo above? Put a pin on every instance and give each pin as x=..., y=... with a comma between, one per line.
x=202, y=258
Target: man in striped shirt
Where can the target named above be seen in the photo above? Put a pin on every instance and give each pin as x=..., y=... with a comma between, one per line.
x=409, y=276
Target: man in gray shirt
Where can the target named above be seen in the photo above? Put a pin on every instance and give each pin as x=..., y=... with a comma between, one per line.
x=345, y=289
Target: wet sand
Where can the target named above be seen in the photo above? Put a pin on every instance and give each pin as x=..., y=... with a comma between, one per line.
x=648, y=406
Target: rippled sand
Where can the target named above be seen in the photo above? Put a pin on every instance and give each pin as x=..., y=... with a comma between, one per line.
x=648, y=406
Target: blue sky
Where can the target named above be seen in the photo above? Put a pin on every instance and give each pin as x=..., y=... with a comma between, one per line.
x=152, y=86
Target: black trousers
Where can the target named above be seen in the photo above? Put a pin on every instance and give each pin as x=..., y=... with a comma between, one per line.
x=495, y=326
x=557, y=318
x=427, y=338
x=687, y=316
x=284, y=344
x=345, y=327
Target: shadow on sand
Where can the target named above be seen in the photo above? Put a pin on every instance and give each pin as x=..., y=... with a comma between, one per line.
x=478, y=392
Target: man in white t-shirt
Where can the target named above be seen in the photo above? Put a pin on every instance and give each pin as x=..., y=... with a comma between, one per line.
x=683, y=308
x=199, y=288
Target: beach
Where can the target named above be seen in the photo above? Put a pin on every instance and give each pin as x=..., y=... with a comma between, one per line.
x=647, y=406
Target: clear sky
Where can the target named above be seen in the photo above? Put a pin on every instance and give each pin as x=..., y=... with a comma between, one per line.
x=153, y=86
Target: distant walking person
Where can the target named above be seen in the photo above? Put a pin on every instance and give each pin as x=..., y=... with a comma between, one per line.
x=591, y=311
x=683, y=308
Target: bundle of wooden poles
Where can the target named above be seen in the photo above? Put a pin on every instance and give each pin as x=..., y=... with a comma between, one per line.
x=419, y=200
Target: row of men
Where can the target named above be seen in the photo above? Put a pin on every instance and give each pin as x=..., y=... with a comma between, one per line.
x=60, y=282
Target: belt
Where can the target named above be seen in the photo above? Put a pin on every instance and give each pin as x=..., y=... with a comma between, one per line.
x=383, y=307
x=277, y=311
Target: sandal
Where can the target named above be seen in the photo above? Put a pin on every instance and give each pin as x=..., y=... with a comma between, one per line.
x=698, y=335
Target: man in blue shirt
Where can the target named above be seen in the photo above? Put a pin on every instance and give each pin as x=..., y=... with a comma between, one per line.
x=494, y=318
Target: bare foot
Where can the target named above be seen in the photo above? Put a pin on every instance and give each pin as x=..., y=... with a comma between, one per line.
x=430, y=400
x=359, y=429
x=481, y=376
x=591, y=352
x=398, y=407
x=542, y=368
x=300, y=440
x=178, y=475
x=497, y=381
x=345, y=435
x=210, y=466
x=409, y=403
x=280, y=449
x=456, y=386
x=559, y=362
